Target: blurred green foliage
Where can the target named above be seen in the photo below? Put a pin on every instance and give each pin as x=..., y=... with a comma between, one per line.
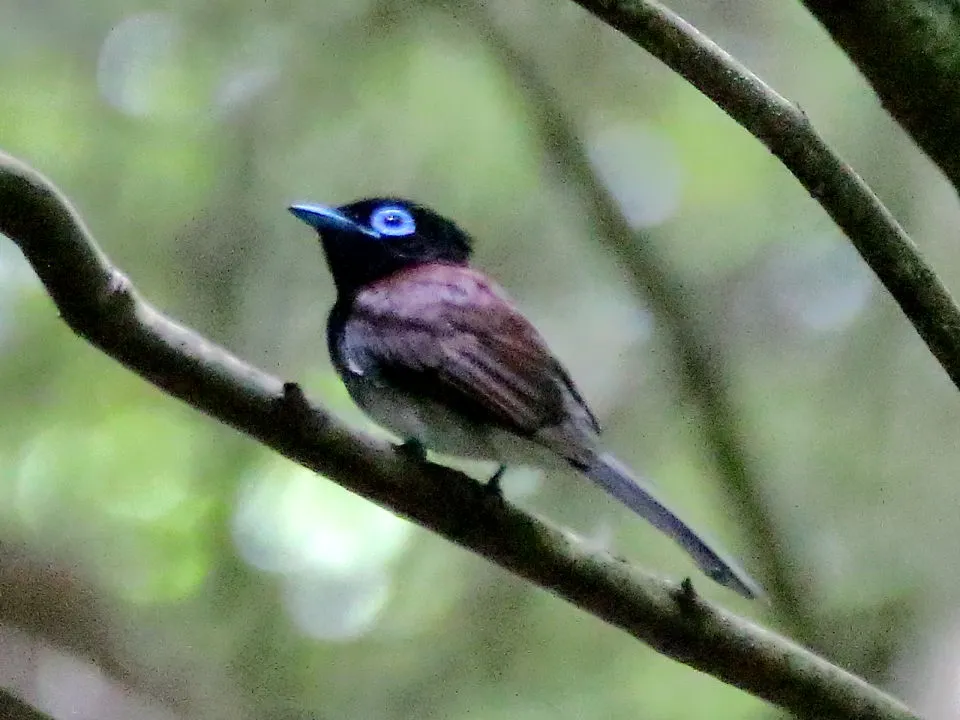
x=240, y=586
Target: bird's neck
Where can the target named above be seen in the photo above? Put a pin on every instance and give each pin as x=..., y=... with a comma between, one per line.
x=336, y=322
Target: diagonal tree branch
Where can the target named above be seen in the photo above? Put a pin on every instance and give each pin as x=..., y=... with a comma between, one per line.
x=786, y=131
x=909, y=50
x=100, y=304
x=13, y=708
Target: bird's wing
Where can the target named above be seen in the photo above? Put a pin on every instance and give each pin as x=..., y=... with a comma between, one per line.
x=448, y=333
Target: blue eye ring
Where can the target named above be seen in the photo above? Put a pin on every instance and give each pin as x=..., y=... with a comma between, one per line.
x=393, y=221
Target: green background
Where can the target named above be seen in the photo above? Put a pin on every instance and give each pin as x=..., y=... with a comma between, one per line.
x=200, y=576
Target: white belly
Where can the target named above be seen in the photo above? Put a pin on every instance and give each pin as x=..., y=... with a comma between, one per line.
x=444, y=431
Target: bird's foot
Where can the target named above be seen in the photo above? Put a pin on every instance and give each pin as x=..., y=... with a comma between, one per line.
x=492, y=488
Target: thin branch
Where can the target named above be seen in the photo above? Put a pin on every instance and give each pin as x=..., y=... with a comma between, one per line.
x=13, y=708
x=100, y=304
x=701, y=365
x=48, y=599
x=786, y=131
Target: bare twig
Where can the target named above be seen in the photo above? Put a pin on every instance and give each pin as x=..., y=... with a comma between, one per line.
x=100, y=304
x=786, y=131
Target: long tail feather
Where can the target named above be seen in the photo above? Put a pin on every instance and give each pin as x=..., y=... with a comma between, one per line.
x=617, y=480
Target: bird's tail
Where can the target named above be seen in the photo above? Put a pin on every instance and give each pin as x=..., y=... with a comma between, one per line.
x=617, y=480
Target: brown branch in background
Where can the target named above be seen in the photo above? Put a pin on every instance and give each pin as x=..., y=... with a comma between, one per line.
x=48, y=600
x=12, y=708
x=786, y=131
x=101, y=305
x=908, y=50
x=700, y=363
x=53, y=603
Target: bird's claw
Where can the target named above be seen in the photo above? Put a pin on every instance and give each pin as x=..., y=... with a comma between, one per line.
x=492, y=488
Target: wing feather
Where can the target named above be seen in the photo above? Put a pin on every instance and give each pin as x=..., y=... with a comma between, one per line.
x=449, y=333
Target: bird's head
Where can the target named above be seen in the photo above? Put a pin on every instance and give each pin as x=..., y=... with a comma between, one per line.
x=370, y=239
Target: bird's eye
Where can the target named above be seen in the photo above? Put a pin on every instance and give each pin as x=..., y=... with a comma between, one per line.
x=393, y=220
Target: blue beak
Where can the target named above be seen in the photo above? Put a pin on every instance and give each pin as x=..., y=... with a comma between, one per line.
x=323, y=218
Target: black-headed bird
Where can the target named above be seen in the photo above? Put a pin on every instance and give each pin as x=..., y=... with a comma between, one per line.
x=436, y=352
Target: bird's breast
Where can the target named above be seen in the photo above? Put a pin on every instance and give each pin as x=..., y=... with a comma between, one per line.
x=433, y=424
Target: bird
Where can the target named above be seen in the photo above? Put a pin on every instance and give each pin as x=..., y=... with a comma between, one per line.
x=436, y=352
